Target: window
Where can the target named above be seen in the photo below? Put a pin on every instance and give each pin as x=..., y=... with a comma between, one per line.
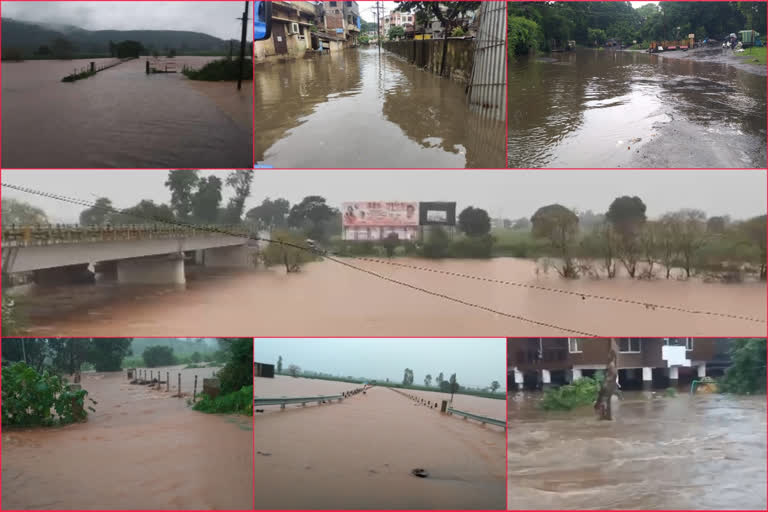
x=679, y=342
x=332, y=4
x=349, y=4
x=688, y=344
x=574, y=345
x=629, y=345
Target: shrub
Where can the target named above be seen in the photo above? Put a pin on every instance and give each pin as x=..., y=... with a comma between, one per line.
x=240, y=402
x=746, y=375
x=158, y=356
x=218, y=70
x=38, y=399
x=582, y=392
x=473, y=247
x=437, y=245
x=238, y=371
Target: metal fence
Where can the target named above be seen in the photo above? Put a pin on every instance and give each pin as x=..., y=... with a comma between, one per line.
x=476, y=417
x=487, y=93
x=304, y=400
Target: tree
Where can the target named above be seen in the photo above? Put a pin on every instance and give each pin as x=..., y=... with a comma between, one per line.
x=559, y=226
x=206, y=200
x=312, y=215
x=453, y=385
x=649, y=241
x=390, y=243
x=158, y=355
x=107, y=354
x=428, y=380
x=240, y=181
x=746, y=375
x=596, y=36
x=294, y=370
x=238, y=368
x=287, y=249
x=754, y=230
x=437, y=244
x=98, y=214
x=474, y=221
x=667, y=242
x=280, y=364
x=62, y=48
x=494, y=386
x=128, y=49
x=718, y=224
x=196, y=357
x=19, y=213
x=269, y=214
x=68, y=354
x=32, y=351
x=407, y=377
x=689, y=230
x=627, y=216
x=439, y=380
x=182, y=183
x=395, y=33
x=146, y=212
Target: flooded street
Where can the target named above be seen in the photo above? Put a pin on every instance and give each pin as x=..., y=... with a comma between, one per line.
x=630, y=109
x=328, y=299
x=359, y=453
x=141, y=449
x=385, y=111
x=122, y=117
x=681, y=453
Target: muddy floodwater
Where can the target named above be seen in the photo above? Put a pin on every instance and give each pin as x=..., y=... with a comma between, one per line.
x=359, y=454
x=681, y=453
x=630, y=109
x=328, y=299
x=141, y=449
x=122, y=117
x=362, y=109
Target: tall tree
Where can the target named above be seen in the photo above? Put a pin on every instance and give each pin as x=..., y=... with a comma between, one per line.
x=182, y=183
x=407, y=377
x=206, y=201
x=240, y=182
x=98, y=214
x=311, y=215
x=19, y=213
x=428, y=380
x=559, y=226
x=474, y=221
x=627, y=216
x=280, y=364
x=270, y=214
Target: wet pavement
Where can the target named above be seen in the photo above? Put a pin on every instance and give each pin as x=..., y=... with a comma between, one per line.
x=142, y=449
x=362, y=109
x=122, y=118
x=360, y=453
x=680, y=453
x=629, y=109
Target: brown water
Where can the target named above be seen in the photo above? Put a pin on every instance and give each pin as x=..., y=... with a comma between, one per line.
x=359, y=453
x=682, y=453
x=589, y=108
x=141, y=449
x=359, y=109
x=122, y=118
x=327, y=299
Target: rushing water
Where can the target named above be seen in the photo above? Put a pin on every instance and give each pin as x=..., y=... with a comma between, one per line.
x=328, y=299
x=681, y=453
x=141, y=449
x=359, y=454
x=122, y=118
x=359, y=109
x=630, y=109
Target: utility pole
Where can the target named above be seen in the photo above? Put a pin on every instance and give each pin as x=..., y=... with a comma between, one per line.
x=242, y=48
x=378, y=26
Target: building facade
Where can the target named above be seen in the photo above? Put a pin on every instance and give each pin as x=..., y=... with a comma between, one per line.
x=643, y=363
x=340, y=18
x=291, y=32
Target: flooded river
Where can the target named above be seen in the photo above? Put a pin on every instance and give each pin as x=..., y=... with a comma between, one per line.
x=142, y=449
x=629, y=109
x=328, y=299
x=362, y=109
x=359, y=454
x=681, y=453
x=122, y=117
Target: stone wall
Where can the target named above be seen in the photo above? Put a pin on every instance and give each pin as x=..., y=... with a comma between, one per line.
x=428, y=55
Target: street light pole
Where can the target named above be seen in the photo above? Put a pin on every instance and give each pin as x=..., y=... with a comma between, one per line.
x=243, y=35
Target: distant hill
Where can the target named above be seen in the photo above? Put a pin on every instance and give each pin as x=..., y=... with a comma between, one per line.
x=28, y=37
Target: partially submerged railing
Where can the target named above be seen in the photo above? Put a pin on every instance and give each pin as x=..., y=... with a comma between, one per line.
x=477, y=417
x=304, y=400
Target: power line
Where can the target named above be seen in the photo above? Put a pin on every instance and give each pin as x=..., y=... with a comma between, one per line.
x=212, y=229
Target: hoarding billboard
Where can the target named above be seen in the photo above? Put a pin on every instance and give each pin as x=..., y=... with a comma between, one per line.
x=437, y=214
x=380, y=213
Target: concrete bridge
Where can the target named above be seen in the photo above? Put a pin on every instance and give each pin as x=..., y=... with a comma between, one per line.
x=143, y=254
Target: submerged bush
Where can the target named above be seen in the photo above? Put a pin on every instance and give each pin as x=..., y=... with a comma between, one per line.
x=33, y=399
x=240, y=402
x=746, y=375
x=582, y=392
x=219, y=70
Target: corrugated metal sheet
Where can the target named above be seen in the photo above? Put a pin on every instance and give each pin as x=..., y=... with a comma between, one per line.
x=488, y=84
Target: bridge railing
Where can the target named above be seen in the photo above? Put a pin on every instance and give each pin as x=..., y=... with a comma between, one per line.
x=477, y=417
x=304, y=400
x=51, y=234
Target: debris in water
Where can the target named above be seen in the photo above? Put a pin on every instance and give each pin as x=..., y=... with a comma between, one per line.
x=420, y=472
x=264, y=454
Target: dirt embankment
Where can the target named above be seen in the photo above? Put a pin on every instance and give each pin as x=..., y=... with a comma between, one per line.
x=740, y=60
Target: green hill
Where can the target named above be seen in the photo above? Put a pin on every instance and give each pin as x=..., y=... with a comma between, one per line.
x=66, y=41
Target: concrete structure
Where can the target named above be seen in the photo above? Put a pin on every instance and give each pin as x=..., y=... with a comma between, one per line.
x=133, y=255
x=264, y=370
x=341, y=19
x=643, y=363
x=291, y=34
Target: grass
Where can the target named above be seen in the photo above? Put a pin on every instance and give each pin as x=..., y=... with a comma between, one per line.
x=754, y=53
x=220, y=70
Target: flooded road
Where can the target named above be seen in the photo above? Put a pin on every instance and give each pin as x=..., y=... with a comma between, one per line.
x=122, y=117
x=681, y=453
x=359, y=109
x=629, y=109
x=141, y=449
x=328, y=299
x=359, y=453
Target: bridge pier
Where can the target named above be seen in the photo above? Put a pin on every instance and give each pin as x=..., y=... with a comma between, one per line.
x=106, y=271
x=238, y=256
x=151, y=270
x=71, y=274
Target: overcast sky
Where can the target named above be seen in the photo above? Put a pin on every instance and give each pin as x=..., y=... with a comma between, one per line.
x=213, y=18
x=476, y=362
x=510, y=194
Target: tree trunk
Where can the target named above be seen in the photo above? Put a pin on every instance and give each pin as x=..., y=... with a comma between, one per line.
x=608, y=388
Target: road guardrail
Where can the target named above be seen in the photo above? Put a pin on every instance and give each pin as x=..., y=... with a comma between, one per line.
x=476, y=417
